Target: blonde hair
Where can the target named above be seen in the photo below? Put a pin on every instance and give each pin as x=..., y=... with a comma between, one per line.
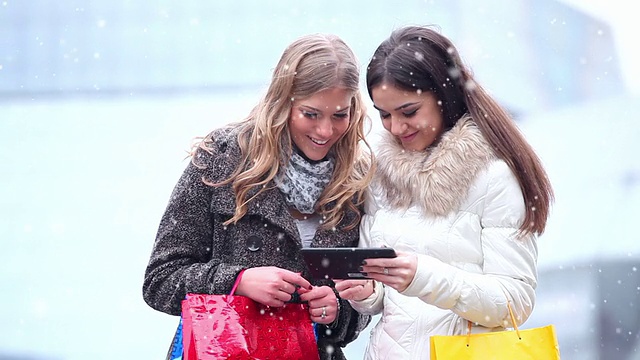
x=310, y=64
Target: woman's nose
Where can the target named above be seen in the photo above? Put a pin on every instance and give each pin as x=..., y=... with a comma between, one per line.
x=324, y=128
x=397, y=127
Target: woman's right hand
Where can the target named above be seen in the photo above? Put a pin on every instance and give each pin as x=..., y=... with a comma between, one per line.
x=356, y=290
x=270, y=285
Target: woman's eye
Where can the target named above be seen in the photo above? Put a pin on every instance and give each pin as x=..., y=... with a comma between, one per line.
x=384, y=115
x=410, y=113
x=310, y=115
x=341, y=115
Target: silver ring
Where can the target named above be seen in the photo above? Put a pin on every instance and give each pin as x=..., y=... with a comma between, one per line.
x=324, y=312
x=385, y=271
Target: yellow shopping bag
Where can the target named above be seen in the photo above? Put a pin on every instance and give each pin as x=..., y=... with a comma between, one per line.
x=530, y=344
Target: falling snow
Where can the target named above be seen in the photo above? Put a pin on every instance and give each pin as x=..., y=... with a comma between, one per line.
x=42, y=235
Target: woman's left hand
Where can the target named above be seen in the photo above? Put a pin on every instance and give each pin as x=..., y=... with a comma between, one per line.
x=323, y=304
x=356, y=290
x=396, y=272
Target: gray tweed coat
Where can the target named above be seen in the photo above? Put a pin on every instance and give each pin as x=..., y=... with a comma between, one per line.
x=195, y=253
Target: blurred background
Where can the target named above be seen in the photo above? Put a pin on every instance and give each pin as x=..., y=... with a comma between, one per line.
x=100, y=100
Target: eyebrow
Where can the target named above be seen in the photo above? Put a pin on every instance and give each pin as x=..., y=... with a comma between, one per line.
x=403, y=106
x=320, y=111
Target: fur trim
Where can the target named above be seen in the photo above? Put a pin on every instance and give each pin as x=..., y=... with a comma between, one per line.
x=437, y=179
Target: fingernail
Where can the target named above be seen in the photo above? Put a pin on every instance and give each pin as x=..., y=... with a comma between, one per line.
x=310, y=287
x=361, y=269
x=365, y=274
x=364, y=262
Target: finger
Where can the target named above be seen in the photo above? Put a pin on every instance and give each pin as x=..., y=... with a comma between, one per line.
x=373, y=270
x=288, y=288
x=351, y=284
x=378, y=276
x=311, y=295
x=318, y=311
x=317, y=292
x=296, y=279
x=322, y=314
x=274, y=302
x=343, y=285
x=351, y=293
x=282, y=296
x=379, y=262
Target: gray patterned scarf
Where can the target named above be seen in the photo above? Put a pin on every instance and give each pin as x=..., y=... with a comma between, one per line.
x=301, y=182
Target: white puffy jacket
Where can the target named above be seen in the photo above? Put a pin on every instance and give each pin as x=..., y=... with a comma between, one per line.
x=458, y=208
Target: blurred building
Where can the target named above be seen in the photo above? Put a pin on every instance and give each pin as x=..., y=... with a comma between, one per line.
x=534, y=55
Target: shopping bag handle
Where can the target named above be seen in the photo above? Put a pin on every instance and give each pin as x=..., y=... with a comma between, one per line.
x=235, y=284
x=513, y=322
x=513, y=319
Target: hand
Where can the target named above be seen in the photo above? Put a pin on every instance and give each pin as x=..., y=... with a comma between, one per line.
x=354, y=289
x=396, y=272
x=270, y=285
x=323, y=304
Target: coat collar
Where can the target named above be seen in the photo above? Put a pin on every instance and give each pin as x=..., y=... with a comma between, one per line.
x=437, y=179
x=269, y=205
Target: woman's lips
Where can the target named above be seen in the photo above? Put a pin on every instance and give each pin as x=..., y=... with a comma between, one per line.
x=408, y=137
x=318, y=142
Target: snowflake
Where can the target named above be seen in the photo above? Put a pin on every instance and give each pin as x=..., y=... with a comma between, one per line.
x=454, y=72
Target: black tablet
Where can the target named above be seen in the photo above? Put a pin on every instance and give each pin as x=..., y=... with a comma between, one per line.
x=341, y=263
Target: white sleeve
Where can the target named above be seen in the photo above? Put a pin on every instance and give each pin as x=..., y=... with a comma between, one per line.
x=509, y=262
x=374, y=303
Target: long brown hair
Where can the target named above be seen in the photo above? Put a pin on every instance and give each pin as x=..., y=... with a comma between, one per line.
x=417, y=58
x=310, y=64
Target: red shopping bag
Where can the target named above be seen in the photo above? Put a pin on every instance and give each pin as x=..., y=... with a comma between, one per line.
x=236, y=327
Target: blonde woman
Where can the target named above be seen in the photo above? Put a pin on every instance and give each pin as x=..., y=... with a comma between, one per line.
x=458, y=193
x=291, y=175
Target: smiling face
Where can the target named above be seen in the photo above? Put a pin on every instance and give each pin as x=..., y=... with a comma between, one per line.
x=414, y=117
x=318, y=122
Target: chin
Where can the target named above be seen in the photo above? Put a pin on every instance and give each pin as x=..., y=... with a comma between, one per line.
x=315, y=155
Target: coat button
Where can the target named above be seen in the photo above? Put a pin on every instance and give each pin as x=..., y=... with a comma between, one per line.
x=254, y=243
x=223, y=147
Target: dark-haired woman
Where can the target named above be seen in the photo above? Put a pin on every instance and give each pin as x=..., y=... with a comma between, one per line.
x=458, y=193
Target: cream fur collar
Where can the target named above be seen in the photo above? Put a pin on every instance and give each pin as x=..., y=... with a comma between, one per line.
x=437, y=179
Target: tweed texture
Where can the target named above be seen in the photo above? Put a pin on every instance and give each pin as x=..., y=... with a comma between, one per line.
x=195, y=253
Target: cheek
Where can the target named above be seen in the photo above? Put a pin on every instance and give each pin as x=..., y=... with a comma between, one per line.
x=341, y=128
x=433, y=128
x=386, y=124
x=420, y=123
x=297, y=124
